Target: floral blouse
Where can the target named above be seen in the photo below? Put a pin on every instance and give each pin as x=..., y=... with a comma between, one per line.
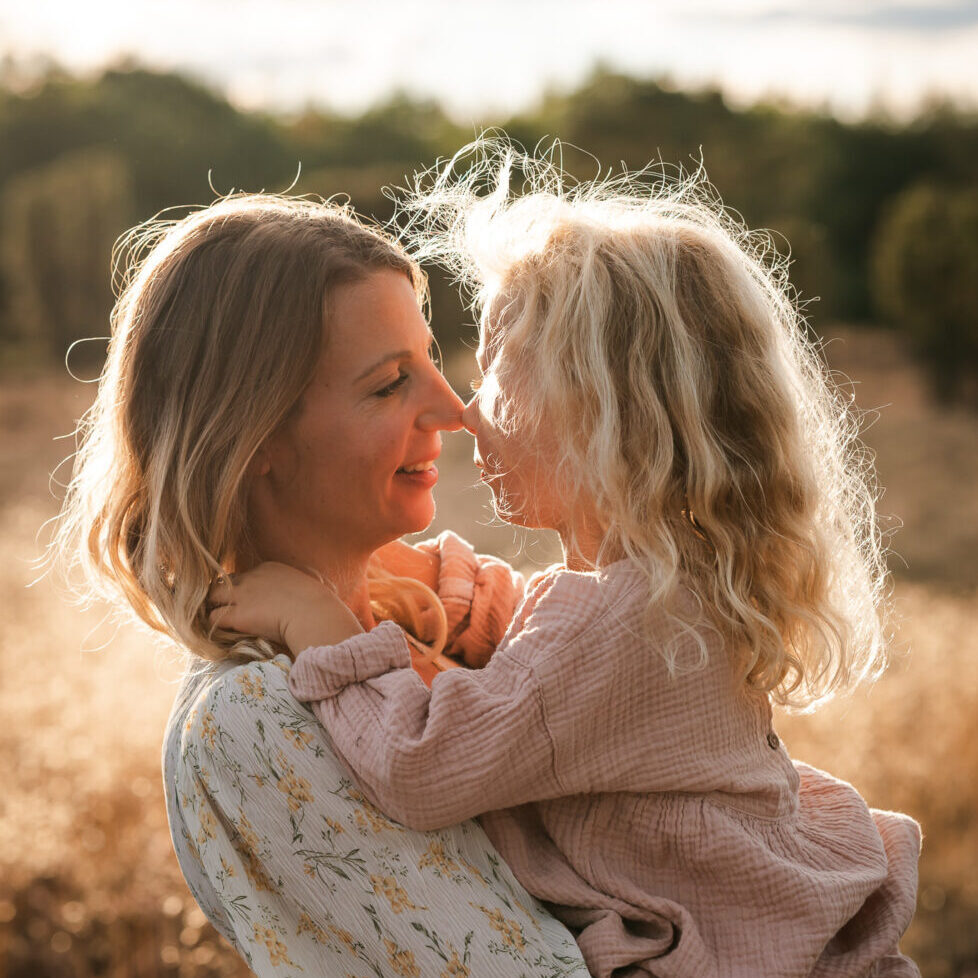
x=301, y=873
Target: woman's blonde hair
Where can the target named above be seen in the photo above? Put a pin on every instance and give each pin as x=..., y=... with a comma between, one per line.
x=216, y=334
x=657, y=342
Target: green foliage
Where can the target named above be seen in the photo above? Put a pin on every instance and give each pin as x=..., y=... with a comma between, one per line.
x=819, y=185
x=172, y=132
x=58, y=224
x=925, y=276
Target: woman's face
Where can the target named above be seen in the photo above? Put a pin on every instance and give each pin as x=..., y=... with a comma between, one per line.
x=354, y=467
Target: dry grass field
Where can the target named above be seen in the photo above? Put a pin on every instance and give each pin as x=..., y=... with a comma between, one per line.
x=88, y=883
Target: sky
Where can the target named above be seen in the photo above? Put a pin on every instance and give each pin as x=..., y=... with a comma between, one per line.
x=495, y=57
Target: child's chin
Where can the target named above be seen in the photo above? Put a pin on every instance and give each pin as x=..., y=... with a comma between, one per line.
x=516, y=516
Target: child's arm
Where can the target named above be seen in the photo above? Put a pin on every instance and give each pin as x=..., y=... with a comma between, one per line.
x=557, y=711
x=475, y=742
x=420, y=563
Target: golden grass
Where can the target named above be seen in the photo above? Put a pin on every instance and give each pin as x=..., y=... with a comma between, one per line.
x=88, y=882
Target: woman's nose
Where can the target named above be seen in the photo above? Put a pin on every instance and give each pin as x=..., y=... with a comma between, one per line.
x=444, y=413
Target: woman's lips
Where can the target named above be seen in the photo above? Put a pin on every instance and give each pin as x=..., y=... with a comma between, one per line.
x=422, y=478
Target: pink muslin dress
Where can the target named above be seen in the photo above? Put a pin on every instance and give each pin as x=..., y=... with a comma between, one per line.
x=658, y=817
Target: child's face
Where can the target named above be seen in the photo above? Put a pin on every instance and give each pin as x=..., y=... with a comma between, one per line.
x=513, y=466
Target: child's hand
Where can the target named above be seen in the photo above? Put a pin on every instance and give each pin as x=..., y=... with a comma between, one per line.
x=284, y=605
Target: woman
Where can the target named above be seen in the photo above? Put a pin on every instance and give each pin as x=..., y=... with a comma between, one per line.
x=270, y=395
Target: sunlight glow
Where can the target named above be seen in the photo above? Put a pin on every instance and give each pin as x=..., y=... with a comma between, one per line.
x=481, y=59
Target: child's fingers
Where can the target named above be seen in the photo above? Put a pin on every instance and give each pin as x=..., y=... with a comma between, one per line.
x=221, y=591
x=221, y=616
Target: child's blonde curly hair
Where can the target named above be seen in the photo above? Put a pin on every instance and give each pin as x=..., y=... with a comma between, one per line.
x=659, y=344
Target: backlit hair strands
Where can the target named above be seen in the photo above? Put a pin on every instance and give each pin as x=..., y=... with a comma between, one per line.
x=215, y=336
x=658, y=343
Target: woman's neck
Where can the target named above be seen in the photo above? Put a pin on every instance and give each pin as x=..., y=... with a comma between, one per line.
x=353, y=589
x=346, y=573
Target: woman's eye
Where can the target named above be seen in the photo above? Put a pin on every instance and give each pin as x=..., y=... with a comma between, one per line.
x=392, y=386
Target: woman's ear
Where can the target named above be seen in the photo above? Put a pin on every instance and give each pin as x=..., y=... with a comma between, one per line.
x=260, y=464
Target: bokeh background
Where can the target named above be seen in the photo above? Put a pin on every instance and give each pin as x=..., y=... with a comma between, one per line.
x=849, y=130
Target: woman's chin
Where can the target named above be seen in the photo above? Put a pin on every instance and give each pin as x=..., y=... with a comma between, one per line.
x=417, y=519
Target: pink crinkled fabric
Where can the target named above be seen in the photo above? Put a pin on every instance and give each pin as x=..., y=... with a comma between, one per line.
x=480, y=594
x=659, y=817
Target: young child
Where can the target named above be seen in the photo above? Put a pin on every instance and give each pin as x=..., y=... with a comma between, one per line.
x=648, y=391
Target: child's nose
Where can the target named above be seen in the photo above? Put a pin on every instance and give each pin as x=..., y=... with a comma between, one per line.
x=470, y=415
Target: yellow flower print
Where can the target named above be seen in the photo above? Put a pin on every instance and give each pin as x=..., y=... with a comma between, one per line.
x=344, y=937
x=402, y=961
x=455, y=968
x=227, y=867
x=334, y=825
x=368, y=815
x=208, y=729
x=249, y=836
x=192, y=848
x=207, y=823
x=247, y=844
x=295, y=788
x=532, y=917
x=474, y=870
x=251, y=685
x=435, y=856
x=278, y=953
x=301, y=738
x=308, y=925
x=258, y=779
x=510, y=930
x=395, y=894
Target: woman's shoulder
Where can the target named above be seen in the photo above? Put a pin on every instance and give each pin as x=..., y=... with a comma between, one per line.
x=216, y=696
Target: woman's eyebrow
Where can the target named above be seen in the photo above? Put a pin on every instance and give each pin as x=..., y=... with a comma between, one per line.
x=388, y=357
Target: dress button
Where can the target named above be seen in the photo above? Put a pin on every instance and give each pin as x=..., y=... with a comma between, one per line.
x=772, y=740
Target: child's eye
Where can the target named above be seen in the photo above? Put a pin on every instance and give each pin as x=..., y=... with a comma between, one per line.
x=392, y=386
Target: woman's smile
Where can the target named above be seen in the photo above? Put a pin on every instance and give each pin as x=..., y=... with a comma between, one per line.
x=355, y=467
x=424, y=475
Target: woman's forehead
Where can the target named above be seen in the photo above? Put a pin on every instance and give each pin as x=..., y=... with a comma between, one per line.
x=371, y=321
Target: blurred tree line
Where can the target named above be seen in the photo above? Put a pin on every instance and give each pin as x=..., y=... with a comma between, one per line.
x=882, y=219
